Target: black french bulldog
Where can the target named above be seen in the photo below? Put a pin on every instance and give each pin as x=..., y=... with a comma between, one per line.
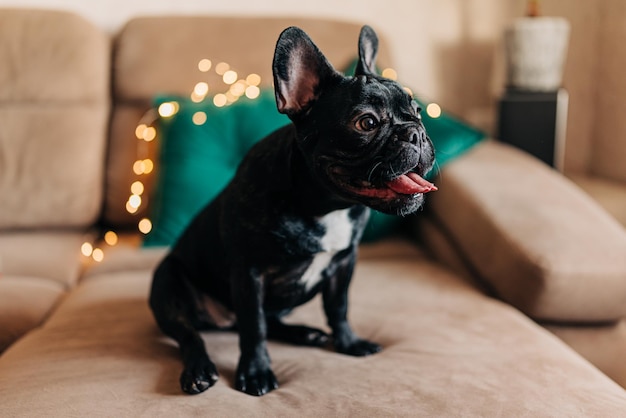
x=288, y=224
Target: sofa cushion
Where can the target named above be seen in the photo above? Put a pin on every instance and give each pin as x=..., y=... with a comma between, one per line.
x=52, y=166
x=126, y=255
x=36, y=269
x=51, y=56
x=25, y=303
x=601, y=344
x=51, y=255
x=53, y=118
x=448, y=351
x=539, y=241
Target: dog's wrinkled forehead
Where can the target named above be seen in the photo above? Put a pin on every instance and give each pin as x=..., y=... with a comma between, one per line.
x=382, y=94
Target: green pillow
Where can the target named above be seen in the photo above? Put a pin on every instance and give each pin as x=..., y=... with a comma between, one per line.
x=197, y=161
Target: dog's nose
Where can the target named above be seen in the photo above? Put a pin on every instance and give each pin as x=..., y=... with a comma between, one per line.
x=416, y=137
x=419, y=138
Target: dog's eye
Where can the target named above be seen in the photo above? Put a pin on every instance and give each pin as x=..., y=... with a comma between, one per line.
x=367, y=123
x=416, y=108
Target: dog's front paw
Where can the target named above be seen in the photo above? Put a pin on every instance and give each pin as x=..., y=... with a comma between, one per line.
x=199, y=377
x=358, y=347
x=255, y=377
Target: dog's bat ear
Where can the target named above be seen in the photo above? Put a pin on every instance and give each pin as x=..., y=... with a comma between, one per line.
x=368, y=49
x=300, y=70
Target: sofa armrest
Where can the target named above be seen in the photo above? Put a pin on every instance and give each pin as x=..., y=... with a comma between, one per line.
x=534, y=237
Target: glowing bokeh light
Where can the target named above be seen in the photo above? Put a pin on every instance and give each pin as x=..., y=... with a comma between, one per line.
x=134, y=201
x=149, y=134
x=148, y=166
x=110, y=238
x=86, y=249
x=166, y=110
x=221, y=68
x=229, y=77
x=433, y=110
x=199, y=118
x=390, y=73
x=220, y=100
x=139, y=130
x=137, y=188
x=252, y=92
x=204, y=65
x=97, y=255
x=253, y=79
x=145, y=226
x=201, y=89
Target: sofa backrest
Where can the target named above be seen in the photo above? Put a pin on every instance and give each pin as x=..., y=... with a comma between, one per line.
x=54, y=107
x=160, y=55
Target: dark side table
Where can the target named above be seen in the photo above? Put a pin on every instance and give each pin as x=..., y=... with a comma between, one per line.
x=535, y=122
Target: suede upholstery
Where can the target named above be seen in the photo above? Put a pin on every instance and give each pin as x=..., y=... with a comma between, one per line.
x=508, y=210
x=504, y=243
x=460, y=353
x=54, y=95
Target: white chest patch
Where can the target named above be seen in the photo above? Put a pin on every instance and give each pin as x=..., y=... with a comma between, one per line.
x=338, y=230
x=338, y=237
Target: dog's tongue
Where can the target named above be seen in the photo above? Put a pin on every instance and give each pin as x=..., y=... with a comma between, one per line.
x=411, y=183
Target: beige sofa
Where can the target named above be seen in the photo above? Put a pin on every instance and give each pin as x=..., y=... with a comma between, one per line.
x=506, y=251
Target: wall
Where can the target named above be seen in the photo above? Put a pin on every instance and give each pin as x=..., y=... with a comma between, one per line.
x=609, y=146
x=579, y=76
x=447, y=51
x=458, y=36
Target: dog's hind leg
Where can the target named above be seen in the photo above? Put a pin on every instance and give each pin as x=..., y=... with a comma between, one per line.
x=174, y=304
x=295, y=334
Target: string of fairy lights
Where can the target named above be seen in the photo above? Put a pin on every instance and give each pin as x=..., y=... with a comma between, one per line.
x=146, y=132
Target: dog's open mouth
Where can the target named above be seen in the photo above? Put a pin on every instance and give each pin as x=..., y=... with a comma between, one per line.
x=409, y=183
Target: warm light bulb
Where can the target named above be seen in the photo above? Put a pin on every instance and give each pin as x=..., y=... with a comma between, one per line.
x=134, y=201
x=166, y=110
x=86, y=249
x=139, y=130
x=139, y=167
x=149, y=134
x=253, y=79
x=220, y=100
x=201, y=89
x=221, y=68
x=204, y=65
x=195, y=98
x=130, y=209
x=110, y=238
x=229, y=77
x=148, y=166
x=390, y=73
x=238, y=89
x=433, y=110
x=252, y=92
x=145, y=226
x=199, y=118
x=97, y=255
x=137, y=188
